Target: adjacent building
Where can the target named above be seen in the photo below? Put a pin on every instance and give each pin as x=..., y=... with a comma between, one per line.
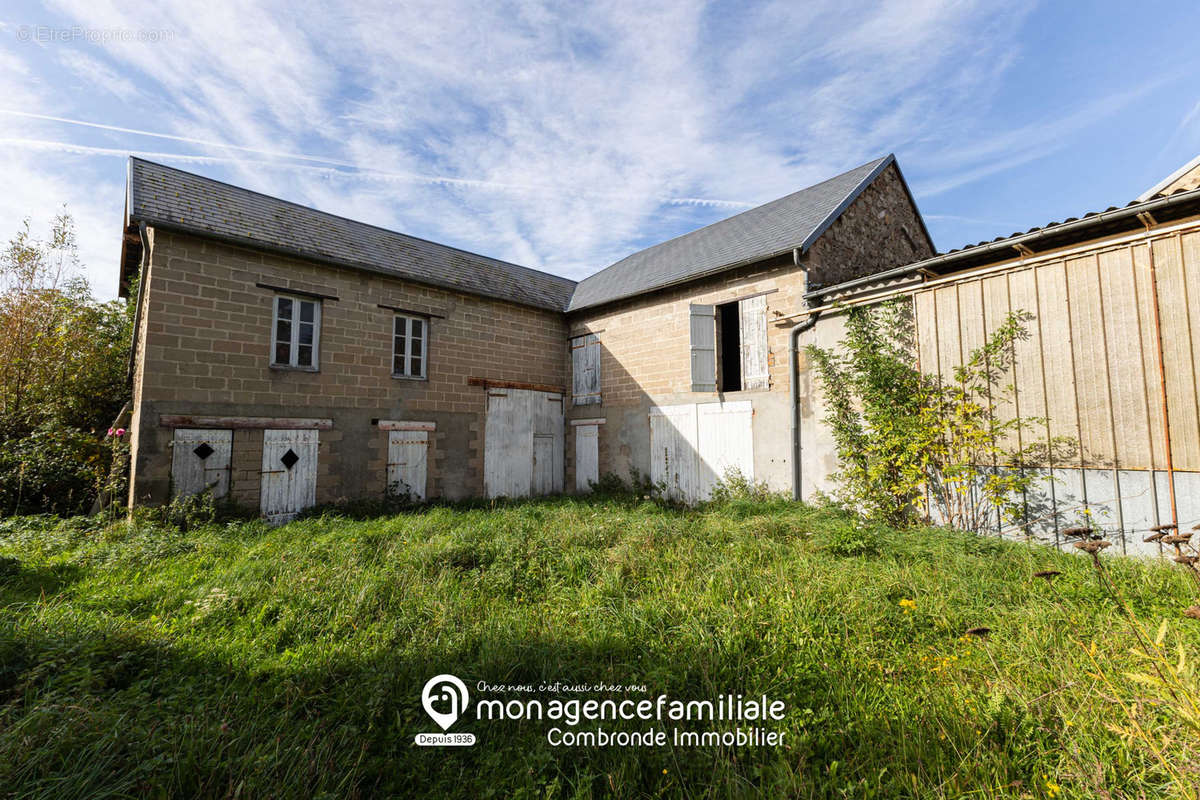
x=285, y=357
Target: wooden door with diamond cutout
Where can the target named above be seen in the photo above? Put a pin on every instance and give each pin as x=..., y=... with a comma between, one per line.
x=289, y=473
x=200, y=461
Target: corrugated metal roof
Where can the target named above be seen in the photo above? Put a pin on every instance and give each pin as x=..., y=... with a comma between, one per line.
x=166, y=197
x=768, y=230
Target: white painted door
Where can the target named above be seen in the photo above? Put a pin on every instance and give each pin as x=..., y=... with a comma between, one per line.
x=408, y=457
x=725, y=435
x=289, y=473
x=673, y=460
x=200, y=460
x=523, y=443
x=587, y=456
x=693, y=445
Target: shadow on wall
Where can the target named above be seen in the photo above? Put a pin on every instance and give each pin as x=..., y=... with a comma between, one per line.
x=685, y=443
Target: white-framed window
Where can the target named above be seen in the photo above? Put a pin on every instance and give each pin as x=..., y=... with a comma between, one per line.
x=410, y=346
x=296, y=332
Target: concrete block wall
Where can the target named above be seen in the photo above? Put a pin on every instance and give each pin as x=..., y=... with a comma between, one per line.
x=646, y=348
x=204, y=349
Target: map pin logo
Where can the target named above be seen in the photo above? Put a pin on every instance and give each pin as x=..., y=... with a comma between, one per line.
x=444, y=689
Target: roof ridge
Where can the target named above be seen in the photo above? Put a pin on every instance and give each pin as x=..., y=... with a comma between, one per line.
x=293, y=203
x=811, y=232
x=737, y=215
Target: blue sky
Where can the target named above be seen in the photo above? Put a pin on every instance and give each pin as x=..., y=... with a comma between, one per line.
x=565, y=136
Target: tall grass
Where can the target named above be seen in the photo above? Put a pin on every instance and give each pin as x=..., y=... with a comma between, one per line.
x=241, y=660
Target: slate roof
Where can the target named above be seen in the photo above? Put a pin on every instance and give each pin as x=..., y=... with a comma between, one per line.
x=777, y=227
x=170, y=198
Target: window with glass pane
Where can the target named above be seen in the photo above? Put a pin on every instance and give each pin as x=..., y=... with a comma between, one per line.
x=297, y=332
x=409, y=336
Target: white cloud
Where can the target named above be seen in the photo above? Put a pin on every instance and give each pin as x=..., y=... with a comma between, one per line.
x=560, y=136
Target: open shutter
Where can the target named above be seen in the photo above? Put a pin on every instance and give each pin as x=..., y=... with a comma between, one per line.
x=704, y=348
x=753, y=315
x=585, y=369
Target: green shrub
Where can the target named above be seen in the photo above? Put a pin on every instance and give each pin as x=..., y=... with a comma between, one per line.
x=849, y=537
x=736, y=486
x=55, y=469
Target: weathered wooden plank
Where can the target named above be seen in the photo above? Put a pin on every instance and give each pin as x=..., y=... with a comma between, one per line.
x=585, y=370
x=996, y=306
x=200, y=460
x=949, y=333
x=1140, y=254
x=587, y=457
x=702, y=325
x=490, y=383
x=1118, y=291
x=724, y=442
x=1090, y=362
x=277, y=423
x=1027, y=366
x=407, y=462
x=1056, y=351
x=289, y=482
x=516, y=461
x=405, y=425
x=1189, y=254
x=673, y=450
x=752, y=316
x=1173, y=298
x=927, y=337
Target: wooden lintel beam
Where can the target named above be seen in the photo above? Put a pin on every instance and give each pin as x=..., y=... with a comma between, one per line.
x=489, y=383
x=274, y=423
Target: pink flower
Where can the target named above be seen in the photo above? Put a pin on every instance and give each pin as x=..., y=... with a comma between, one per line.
x=111, y=431
x=120, y=431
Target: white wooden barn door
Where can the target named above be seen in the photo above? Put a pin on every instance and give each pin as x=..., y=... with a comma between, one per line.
x=523, y=443
x=587, y=456
x=693, y=445
x=200, y=460
x=673, y=460
x=289, y=473
x=725, y=435
x=407, y=462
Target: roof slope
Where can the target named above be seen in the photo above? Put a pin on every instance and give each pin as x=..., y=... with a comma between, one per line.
x=768, y=230
x=171, y=198
x=1186, y=177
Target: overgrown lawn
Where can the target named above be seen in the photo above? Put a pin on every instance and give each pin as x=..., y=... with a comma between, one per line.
x=241, y=660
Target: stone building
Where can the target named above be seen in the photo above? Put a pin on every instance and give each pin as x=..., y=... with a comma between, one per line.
x=286, y=357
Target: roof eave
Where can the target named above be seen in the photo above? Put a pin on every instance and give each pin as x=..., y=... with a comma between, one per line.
x=683, y=281
x=292, y=252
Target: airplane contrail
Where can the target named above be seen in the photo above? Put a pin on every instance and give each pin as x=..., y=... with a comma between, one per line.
x=432, y=180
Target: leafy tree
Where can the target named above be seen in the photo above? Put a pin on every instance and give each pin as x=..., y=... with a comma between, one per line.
x=63, y=362
x=912, y=446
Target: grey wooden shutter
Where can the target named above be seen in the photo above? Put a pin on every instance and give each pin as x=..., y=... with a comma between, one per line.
x=753, y=315
x=585, y=369
x=704, y=348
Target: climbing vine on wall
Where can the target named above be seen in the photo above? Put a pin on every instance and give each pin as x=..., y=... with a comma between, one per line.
x=916, y=447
